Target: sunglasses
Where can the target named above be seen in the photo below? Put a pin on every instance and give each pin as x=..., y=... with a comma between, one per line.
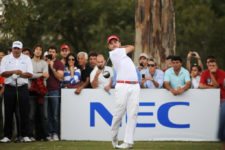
x=71, y=59
x=151, y=65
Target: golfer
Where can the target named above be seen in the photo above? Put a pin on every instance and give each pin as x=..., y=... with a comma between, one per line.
x=127, y=91
x=16, y=68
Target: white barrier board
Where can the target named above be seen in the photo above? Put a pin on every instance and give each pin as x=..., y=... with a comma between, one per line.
x=192, y=116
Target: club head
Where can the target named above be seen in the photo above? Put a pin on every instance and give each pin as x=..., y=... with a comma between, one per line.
x=106, y=74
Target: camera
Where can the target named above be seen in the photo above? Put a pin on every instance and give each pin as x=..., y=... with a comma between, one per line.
x=193, y=54
x=49, y=56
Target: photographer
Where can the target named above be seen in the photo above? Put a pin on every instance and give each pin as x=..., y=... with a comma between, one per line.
x=193, y=58
x=97, y=79
x=153, y=78
x=143, y=63
x=56, y=74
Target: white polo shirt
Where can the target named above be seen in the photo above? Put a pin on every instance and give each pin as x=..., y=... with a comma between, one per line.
x=102, y=82
x=10, y=63
x=123, y=65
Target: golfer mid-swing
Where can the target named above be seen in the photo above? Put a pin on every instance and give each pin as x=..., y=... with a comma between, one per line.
x=127, y=91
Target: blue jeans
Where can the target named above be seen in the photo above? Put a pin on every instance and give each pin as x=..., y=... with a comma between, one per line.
x=221, y=133
x=53, y=111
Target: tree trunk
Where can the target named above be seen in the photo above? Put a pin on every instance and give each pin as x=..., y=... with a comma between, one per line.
x=155, y=29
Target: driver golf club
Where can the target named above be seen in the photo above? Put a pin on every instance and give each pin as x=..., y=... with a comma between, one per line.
x=105, y=73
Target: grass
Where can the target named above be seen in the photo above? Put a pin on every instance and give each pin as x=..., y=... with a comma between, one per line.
x=86, y=145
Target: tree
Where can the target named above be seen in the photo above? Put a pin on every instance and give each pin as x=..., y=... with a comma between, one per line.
x=83, y=24
x=155, y=29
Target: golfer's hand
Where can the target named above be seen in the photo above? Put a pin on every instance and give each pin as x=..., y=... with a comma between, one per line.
x=18, y=72
x=107, y=88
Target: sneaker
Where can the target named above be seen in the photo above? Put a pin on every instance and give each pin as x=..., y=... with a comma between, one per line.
x=26, y=139
x=48, y=138
x=55, y=137
x=32, y=139
x=5, y=140
x=114, y=143
x=124, y=146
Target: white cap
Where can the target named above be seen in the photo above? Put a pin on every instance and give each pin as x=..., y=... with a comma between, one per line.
x=17, y=44
x=143, y=55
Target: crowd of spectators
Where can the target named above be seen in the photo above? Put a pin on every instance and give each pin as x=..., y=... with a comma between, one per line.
x=43, y=83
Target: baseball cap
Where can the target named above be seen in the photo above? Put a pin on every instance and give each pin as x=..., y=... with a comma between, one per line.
x=17, y=44
x=112, y=37
x=64, y=46
x=143, y=55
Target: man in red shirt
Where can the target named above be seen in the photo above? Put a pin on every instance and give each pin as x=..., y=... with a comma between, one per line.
x=214, y=77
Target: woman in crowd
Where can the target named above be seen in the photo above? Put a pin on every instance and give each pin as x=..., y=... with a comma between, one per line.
x=193, y=58
x=195, y=76
x=72, y=74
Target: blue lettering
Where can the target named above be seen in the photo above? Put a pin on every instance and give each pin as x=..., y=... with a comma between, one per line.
x=163, y=115
x=102, y=111
x=146, y=125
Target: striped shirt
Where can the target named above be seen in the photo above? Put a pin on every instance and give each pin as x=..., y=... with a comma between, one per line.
x=73, y=80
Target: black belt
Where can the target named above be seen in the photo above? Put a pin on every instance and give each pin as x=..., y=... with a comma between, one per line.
x=15, y=85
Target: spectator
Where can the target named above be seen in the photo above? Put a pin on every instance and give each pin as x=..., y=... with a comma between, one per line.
x=27, y=51
x=143, y=63
x=16, y=94
x=214, y=77
x=72, y=74
x=82, y=58
x=97, y=79
x=193, y=56
x=153, y=77
x=195, y=76
x=209, y=58
x=56, y=72
x=2, y=79
x=93, y=59
x=177, y=79
x=64, y=51
x=168, y=63
x=38, y=90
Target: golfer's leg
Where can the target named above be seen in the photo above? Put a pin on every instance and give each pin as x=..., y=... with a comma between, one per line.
x=24, y=108
x=132, y=110
x=120, y=108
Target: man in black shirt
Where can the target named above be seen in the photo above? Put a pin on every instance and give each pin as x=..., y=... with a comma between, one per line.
x=82, y=58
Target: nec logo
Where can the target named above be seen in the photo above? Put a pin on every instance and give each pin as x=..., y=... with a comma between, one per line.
x=162, y=114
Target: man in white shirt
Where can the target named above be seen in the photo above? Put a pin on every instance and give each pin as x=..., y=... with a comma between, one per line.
x=127, y=91
x=16, y=68
x=97, y=79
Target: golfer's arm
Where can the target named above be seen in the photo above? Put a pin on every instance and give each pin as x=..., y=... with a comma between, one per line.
x=6, y=74
x=26, y=75
x=129, y=48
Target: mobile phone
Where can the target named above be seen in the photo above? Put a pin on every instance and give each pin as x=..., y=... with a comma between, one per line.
x=141, y=65
x=143, y=76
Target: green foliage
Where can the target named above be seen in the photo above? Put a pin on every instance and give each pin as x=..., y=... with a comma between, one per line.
x=84, y=24
x=200, y=27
